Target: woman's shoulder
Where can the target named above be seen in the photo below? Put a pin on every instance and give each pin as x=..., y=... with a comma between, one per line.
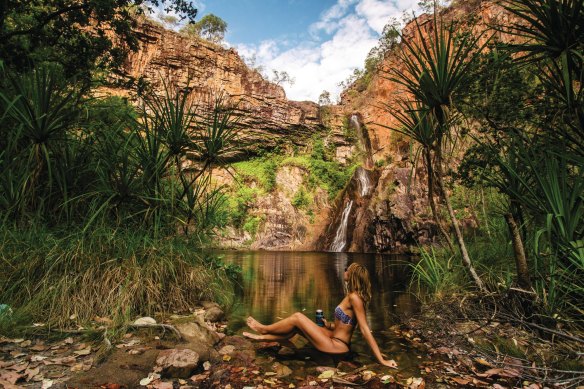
x=354, y=297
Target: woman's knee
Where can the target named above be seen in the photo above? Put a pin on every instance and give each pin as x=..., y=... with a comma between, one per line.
x=298, y=316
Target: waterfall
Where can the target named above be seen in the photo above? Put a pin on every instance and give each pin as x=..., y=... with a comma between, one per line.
x=363, y=141
x=341, y=237
x=364, y=181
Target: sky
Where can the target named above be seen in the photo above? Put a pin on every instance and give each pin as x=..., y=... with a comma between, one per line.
x=317, y=42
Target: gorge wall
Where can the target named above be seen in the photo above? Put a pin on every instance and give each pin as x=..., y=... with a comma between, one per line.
x=391, y=216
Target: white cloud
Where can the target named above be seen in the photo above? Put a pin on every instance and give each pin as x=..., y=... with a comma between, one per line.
x=351, y=29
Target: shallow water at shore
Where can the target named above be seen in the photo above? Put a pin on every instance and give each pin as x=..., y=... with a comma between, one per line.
x=277, y=284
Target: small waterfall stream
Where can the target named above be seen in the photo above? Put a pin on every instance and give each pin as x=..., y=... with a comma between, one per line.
x=341, y=236
x=364, y=181
x=356, y=196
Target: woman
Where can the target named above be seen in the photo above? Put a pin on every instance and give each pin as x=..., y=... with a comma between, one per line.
x=333, y=338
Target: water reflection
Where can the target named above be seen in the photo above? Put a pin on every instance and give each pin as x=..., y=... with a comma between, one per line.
x=277, y=284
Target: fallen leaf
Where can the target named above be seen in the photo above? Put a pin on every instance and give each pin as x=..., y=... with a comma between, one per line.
x=68, y=341
x=111, y=386
x=8, y=385
x=26, y=343
x=461, y=381
x=326, y=374
x=151, y=377
x=11, y=376
x=207, y=365
x=483, y=362
x=162, y=385
x=37, y=358
x=47, y=384
x=269, y=373
x=226, y=358
x=505, y=373
x=85, y=351
x=417, y=383
x=31, y=373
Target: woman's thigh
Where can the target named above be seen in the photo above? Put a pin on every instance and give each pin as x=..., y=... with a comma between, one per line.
x=320, y=337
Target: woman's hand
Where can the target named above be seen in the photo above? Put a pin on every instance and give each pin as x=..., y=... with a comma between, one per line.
x=389, y=363
x=327, y=325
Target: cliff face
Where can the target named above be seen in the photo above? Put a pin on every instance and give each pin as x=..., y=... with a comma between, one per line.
x=209, y=69
x=398, y=215
x=392, y=216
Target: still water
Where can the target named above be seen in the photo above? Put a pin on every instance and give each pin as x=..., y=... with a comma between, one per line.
x=277, y=284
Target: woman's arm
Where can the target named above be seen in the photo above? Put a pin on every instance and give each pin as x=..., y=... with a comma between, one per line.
x=327, y=325
x=359, y=310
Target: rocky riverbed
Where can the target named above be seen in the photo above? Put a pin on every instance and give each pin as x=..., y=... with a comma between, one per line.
x=192, y=350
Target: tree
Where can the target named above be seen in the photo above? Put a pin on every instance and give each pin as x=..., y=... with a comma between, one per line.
x=324, y=98
x=210, y=27
x=435, y=69
x=282, y=77
x=82, y=36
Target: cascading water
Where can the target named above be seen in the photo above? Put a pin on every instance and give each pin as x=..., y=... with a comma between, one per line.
x=365, y=145
x=355, y=198
x=364, y=181
x=341, y=236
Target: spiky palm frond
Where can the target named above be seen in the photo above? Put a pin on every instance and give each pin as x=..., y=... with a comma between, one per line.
x=436, y=66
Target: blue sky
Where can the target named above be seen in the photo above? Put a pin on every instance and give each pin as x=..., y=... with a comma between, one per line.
x=318, y=42
x=253, y=21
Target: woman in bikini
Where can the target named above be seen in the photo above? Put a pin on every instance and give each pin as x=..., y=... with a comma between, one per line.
x=333, y=338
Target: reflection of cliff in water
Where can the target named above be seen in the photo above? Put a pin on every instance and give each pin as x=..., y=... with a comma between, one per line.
x=276, y=284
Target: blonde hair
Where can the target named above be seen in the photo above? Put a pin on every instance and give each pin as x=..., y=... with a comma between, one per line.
x=359, y=282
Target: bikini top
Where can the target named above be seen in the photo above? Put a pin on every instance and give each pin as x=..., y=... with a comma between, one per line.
x=343, y=317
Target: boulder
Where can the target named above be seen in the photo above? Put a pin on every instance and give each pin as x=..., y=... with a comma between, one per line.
x=196, y=331
x=177, y=363
x=214, y=314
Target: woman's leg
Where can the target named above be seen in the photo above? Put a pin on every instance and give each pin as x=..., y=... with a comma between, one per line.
x=270, y=337
x=318, y=336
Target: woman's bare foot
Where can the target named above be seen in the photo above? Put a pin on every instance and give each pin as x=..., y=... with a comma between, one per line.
x=255, y=325
x=249, y=335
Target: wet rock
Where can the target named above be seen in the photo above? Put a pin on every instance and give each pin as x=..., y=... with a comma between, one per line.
x=214, y=314
x=177, y=363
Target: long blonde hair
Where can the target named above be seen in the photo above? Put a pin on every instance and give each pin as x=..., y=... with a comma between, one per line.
x=359, y=282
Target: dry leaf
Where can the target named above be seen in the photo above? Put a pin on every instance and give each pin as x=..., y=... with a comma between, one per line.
x=85, y=351
x=226, y=358
x=11, y=376
x=505, y=373
x=326, y=374
x=461, y=381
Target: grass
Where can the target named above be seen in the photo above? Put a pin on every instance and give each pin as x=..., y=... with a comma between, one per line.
x=51, y=276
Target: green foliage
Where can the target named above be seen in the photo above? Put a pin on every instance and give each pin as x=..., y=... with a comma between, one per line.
x=210, y=27
x=48, y=275
x=361, y=78
x=261, y=170
x=86, y=162
x=252, y=224
x=301, y=199
x=434, y=274
x=78, y=35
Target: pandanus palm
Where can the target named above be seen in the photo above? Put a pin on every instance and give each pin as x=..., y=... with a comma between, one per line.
x=552, y=35
x=415, y=122
x=436, y=67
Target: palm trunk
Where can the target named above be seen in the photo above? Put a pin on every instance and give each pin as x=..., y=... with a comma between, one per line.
x=459, y=238
x=520, y=258
x=430, y=171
